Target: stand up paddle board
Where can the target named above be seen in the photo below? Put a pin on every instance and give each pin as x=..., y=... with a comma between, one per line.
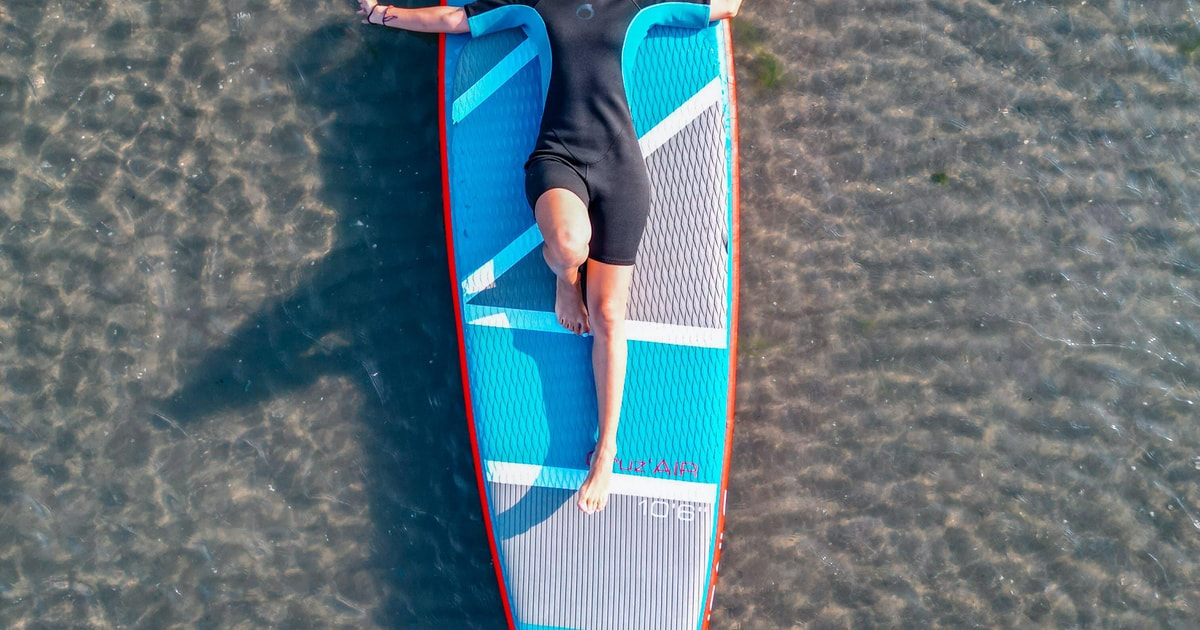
x=648, y=560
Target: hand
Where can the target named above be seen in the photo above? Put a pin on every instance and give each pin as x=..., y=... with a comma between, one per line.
x=720, y=9
x=367, y=8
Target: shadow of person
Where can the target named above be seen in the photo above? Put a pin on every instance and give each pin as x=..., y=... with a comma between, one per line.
x=564, y=375
x=375, y=311
x=546, y=415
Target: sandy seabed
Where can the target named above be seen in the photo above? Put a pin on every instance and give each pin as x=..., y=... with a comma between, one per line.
x=969, y=339
x=969, y=329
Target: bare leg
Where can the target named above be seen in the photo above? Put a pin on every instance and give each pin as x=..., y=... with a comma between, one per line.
x=563, y=220
x=608, y=295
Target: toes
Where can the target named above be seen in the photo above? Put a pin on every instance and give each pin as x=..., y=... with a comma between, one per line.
x=575, y=327
x=591, y=505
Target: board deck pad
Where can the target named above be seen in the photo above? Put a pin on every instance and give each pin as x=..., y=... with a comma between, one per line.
x=648, y=559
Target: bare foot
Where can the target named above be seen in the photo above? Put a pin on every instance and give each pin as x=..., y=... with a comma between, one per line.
x=593, y=494
x=568, y=306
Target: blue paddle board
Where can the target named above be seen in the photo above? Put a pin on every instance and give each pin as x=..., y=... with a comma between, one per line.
x=650, y=559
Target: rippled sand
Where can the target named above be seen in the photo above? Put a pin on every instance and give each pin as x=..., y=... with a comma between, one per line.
x=220, y=406
x=970, y=321
x=970, y=325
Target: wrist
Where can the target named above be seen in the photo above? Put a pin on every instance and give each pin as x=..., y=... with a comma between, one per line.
x=378, y=14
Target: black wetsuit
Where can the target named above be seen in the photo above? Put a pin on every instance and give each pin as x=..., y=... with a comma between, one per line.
x=587, y=143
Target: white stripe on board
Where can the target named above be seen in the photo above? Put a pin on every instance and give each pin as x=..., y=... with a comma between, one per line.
x=571, y=479
x=708, y=96
x=545, y=321
x=512, y=253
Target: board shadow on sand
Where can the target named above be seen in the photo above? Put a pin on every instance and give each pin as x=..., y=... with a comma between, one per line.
x=376, y=312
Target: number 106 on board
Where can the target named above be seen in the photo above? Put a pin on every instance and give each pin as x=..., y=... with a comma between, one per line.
x=661, y=508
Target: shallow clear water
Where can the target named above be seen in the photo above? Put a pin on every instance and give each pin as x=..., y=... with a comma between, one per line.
x=969, y=345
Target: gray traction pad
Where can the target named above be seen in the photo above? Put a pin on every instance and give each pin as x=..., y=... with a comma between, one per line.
x=606, y=570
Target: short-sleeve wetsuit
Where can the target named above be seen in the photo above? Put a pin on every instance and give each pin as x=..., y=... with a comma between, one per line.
x=587, y=143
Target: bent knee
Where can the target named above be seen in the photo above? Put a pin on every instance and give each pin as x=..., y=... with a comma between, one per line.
x=568, y=245
x=571, y=239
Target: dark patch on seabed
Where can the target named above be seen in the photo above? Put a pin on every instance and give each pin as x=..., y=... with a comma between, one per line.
x=231, y=376
x=969, y=328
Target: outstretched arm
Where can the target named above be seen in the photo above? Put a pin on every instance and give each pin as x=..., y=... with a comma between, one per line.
x=425, y=20
x=723, y=9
